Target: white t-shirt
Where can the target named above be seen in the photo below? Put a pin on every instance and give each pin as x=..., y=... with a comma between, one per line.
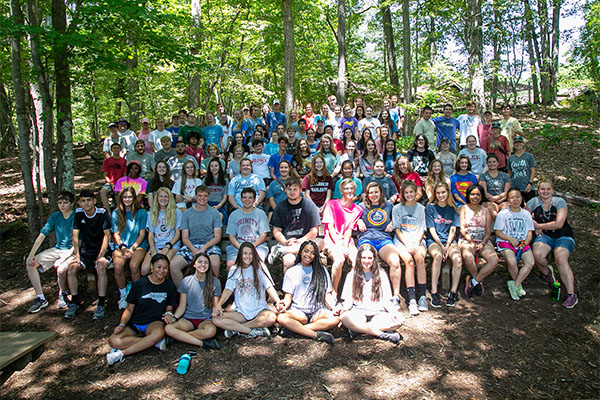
x=260, y=164
x=296, y=282
x=468, y=126
x=155, y=137
x=247, y=300
x=513, y=224
x=367, y=304
x=372, y=124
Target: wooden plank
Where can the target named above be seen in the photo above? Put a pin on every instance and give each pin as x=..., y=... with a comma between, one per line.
x=17, y=344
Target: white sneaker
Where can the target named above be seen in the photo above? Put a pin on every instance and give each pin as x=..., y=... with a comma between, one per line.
x=162, y=345
x=62, y=301
x=229, y=334
x=114, y=356
x=122, y=303
x=413, y=308
x=274, y=254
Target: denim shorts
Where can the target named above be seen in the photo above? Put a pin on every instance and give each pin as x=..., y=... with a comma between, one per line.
x=378, y=244
x=564, y=241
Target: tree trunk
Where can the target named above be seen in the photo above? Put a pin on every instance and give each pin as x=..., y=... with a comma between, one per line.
x=475, y=41
x=43, y=106
x=534, y=52
x=546, y=62
x=406, y=70
x=555, y=45
x=133, y=84
x=94, y=109
x=496, y=40
x=7, y=129
x=64, y=134
x=388, y=34
x=341, y=42
x=195, y=81
x=23, y=123
x=431, y=38
x=289, y=56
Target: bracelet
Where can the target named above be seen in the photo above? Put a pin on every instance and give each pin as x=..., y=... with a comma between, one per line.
x=122, y=245
x=168, y=313
x=123, y=325
x=169, y=245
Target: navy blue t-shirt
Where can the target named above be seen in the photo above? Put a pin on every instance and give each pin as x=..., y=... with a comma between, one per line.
x=442, y=219
x=376, y=219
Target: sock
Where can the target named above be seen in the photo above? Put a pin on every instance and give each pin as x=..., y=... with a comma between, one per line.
x=474, y=282
x=421, y=289
x=101, y=301
x=75, y=299
x=411, y=293
x=123, y=292
x=41, y=296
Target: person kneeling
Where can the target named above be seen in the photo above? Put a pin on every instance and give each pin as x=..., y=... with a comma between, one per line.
x=308, y=302
x=249, y=281
x=367, y=299
x=199, y=293
x=150, y=304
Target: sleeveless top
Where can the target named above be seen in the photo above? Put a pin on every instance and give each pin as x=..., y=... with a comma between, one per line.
x=475, y=224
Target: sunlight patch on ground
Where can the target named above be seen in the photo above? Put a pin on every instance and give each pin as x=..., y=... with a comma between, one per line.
x=254, y=349
x=462, y=379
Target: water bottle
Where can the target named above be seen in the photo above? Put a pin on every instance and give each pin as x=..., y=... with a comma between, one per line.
x=555, y=291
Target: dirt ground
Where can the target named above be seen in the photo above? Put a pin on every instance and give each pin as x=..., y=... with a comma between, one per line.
x=485, y=348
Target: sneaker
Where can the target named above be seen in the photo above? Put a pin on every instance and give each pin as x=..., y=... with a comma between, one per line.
x=326, y=337
x=99, y=313
x=413, y=308
x=392, y=336
x=435, y=300
x=397, y=301
x=452, y=299
x=38, y=304
x=73, y=310
x=520, y=291
x=422, y=303
x=353, y=335
x=285, y=332
x=162, y=345
x=259, y=332
x=114, y=357
x=211, y=344
x=512, y=289
x=62, y=301
x=469, y=288
x=229, y=334
x=549, y=278
x=274, y=254
x=570, y=301
x=122, y=302
x=479, y=289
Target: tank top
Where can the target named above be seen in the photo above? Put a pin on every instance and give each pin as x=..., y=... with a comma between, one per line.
x=474, y=224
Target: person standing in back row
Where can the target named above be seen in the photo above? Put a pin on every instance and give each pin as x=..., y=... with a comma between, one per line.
x=446, y=127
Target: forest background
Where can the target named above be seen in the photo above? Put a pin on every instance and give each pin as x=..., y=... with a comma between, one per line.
x=70, y=67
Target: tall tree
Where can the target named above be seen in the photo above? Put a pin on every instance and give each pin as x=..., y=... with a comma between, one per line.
x=341, y=42
x=388, y=34
x=195, y=81
x=64, y=143
x=406, y=67
x=474, y=38
x=289, y=56
x=23, y=122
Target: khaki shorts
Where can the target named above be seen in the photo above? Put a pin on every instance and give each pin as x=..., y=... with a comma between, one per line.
x=53, y=258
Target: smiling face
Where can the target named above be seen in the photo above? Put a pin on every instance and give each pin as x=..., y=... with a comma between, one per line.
x=303, y=145
x=403, y=166
x=247, y=200
x=546, y=190
x=163, y=199
x=293, y=192
x=202, y=198
x=409, y=194
x=370, y=146
x=284, y=169
x=350, y=147
x=127, y=199
x=307, y=255
x=390, y=147
x=160, y=270
x=319, y=164
x=492, y=164
x=475, y=196
x=374, y=194
x=514, y=199
x=447, y=111
x=441, y=194
x=347, y=171
x=134, y=171
x=348, y=191
x=214, y=167
x=436, y=167
x=308, y=109
x=369, y=112
x=471, y=143
x=201, y=265
x=367, y=258
x=245, y=168
x=190, y=170
x=247, y=256
x=378, y=169
x=161, y=168
x=464, y=164
x=325, y=143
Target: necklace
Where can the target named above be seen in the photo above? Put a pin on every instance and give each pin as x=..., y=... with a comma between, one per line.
x=547, y=214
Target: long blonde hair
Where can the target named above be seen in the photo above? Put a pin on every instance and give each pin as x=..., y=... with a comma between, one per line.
x=432, y=180
x=170, y=212
x=450, y=201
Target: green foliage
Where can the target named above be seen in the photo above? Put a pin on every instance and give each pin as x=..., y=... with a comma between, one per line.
x=404, y=143
x=554, y=134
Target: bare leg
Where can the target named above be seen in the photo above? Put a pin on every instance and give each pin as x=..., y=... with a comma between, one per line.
x=215, y=262
x=102, y=278
x=524, y=272
x=176, y=268
x=436, y=265
x=491, y=262
x=119, y=263
x=129, y=344
x=183, y=331
x=540, y=254
x=134, y=263
x=34, y=277
x=390, y=256
x=561, y=257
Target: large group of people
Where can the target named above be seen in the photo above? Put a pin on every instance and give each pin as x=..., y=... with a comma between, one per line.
x=328, y=189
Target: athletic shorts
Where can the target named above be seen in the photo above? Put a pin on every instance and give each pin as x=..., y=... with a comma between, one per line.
x=564, y=241
x=53, y=258
x=378, y=244
x=89, y=262
x=140, y=330
x=310, y=316
x=197, y=321
x=187, y=255
x=507, y=246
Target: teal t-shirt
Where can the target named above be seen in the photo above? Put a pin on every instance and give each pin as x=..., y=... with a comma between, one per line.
x=63, y=229
x=132, y=227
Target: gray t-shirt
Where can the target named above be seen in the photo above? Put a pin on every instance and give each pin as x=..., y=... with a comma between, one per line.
x=296, y=282
x=389, y=189
x=521, y=169
x=201, y=224
x=494, y=186
x=176, y=165
x=247, y=300
x=195, y=307
x=145, y=160
x=411, y=221
x=247, y=227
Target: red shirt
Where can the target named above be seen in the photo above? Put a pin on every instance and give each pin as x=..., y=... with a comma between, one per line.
x=114, y=168
x=412, y=176
x=197, y=153
x=318, y=191
x=498, y=146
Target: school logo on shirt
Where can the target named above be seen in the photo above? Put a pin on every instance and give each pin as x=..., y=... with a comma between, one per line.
x=376, y=216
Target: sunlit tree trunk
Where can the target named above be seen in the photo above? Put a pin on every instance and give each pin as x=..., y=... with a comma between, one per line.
x=406, y=69
x=195, y=81
x=534, y=52
x=475, y=46
x=496, y=41
x=388, y=34
x=290, y=63
x=341, y=42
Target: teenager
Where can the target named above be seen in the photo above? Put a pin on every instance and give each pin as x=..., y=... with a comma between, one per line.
x=462, y=179
x=189, y=127
x=375, y=228
x=295, y=220
x=408, y=219
x=426, y=127
x=199, y=292
x=217, y=183
x=238, y=140
x=434, y=176
x=495, y=184
x=510, y=125
x=276, y=192
x=522, y=169
x=227, y=137
x=247, y=224
x=112, y=138
x=167, y=150
x=553, y=234
x=157, y=134
x=447, y=158
x=61, y=223
x=389, y=156
x=91, y=235
x=245, y=179
x=367, y=298
x=498, y=145
x=369, y=156
x=130, y=137
x=484, y=129
x=260, y=161
x=476, y=155
x=308, y=303
x=468, y=124
x=278, y=157
x=446, y=126
x=369, y=122
x=150, y=304
x=212, y=132
x=163, y=226
x=348, y=173
x=403, y=172
x=145, y=159
x=248, y=281
x=302, y=160
x=113, y=169
x=212, y=153
x=185, y=187
x=276, y=117
x=161, y=178
x=329, y=153
x=514, y=231
x=348, y=121
x=390, y=192
x=386, y=120
x=193, y=148
x=200, y=233
x=442, y=220
x=128, y=225
x=420, y=156
x=318, y=185
x=350, y=154
x=239, y=125
x=176, y=162
x=339, y=220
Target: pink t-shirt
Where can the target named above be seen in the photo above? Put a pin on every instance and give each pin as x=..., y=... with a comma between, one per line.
x=146, y=139
x=139, y=184
x=338, y=219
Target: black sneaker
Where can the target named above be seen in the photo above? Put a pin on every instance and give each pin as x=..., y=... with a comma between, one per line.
x=37, y=305
x=73, y=310
x=452, y=299
x=353, y=335
x=435, y=300
x=326, y=337
x=391, y=336
x=211, y=344
x=285, y=332
x=469, y=288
